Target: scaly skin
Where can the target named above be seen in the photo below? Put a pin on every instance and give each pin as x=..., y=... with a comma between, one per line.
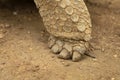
x=69, y=24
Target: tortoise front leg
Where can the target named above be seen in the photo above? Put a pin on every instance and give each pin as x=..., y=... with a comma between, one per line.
x=69, y=24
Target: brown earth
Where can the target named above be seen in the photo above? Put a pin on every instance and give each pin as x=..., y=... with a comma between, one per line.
x=24, y=54
x=115, y=4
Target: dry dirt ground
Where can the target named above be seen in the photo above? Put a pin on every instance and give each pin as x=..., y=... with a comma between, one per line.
x=24, y=54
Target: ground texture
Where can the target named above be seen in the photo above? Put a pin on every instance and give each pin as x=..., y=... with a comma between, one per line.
x=24, y=53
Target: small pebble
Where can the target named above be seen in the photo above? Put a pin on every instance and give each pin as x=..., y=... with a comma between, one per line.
x=115, y=56
x=15, y=13
x=102, y=49
x=112, y=78
x=28, y=32
x=65, y=64
x=30, y=49
x=94, y=59
x=53, y=56
x=7, y=26
x=1, y=36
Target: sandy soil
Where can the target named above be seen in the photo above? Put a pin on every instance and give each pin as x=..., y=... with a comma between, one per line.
x=24, y=54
